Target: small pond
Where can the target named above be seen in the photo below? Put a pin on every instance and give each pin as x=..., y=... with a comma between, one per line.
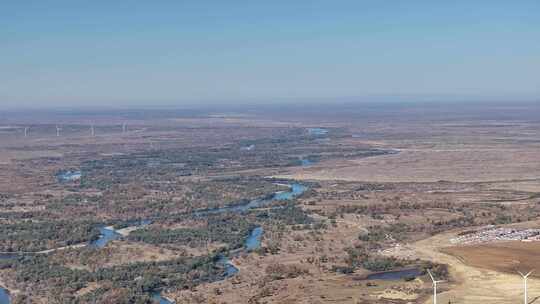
x=395, y=275
x=68, y=176
x=306, y=162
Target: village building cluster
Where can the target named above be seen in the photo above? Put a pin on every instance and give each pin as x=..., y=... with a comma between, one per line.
x=493, y=234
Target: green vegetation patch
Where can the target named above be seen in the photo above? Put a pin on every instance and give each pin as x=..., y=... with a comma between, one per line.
x=34, y=236
x=231, y=229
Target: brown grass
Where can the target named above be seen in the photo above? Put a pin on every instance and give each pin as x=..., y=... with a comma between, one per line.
x=505, y=256
x=430, y=165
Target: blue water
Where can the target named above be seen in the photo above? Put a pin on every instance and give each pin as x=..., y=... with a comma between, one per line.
x=4, y=297
x=317, y=131
x=306, y=162
x=68, y=176
x=145, y=222
x=8, y=256
x=156, y=296
x=253, y=242
x=295, y=190
x=106, y=236
x=248, y=148
x=230, y=270
x=395, y=275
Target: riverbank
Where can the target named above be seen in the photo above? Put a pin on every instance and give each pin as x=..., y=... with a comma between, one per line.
x=10, y=255
x=252, y=240
x=5, y=294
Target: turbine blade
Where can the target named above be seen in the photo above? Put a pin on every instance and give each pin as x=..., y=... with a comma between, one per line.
x=432, y=278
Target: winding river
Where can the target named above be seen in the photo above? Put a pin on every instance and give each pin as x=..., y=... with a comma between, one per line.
x=253, y=241
x=161, y=300
x=317, y=131
x=4, y=296
x=107, y=234
x=295, y=190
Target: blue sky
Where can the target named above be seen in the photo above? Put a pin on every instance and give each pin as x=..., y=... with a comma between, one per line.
x=93, y=53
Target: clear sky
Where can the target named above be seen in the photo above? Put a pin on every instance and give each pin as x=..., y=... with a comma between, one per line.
x=94, y=53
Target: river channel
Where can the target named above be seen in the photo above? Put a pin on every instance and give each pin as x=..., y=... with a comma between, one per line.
x=253, y=241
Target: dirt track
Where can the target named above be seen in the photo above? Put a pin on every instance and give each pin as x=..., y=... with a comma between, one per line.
x=473, y=285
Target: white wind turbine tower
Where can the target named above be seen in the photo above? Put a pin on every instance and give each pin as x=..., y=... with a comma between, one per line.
x=92, y=130
x=26, y=131
x=525, y=277
x=434, y=286
x=58, y=131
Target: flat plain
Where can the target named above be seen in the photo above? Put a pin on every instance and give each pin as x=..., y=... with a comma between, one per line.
x=169, y=206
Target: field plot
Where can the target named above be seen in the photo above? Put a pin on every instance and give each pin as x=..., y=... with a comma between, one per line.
x=431, y=165
x=505, y=256
x=470, y=283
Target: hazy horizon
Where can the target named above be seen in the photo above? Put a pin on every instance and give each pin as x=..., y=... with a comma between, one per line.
x=249, y=104
x=190, y=53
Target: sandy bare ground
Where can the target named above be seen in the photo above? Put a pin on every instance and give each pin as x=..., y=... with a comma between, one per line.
x=474, y=285
x=431, y=165
x=319, y=286
x=506, y=256
x=7, y=157
x=528, y=186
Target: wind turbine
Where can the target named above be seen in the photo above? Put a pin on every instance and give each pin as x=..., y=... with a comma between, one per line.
x=525, y=277
x=124, y=128
x=58, y=131
x=434, y=286
x=26, y=131
x=92, y=130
